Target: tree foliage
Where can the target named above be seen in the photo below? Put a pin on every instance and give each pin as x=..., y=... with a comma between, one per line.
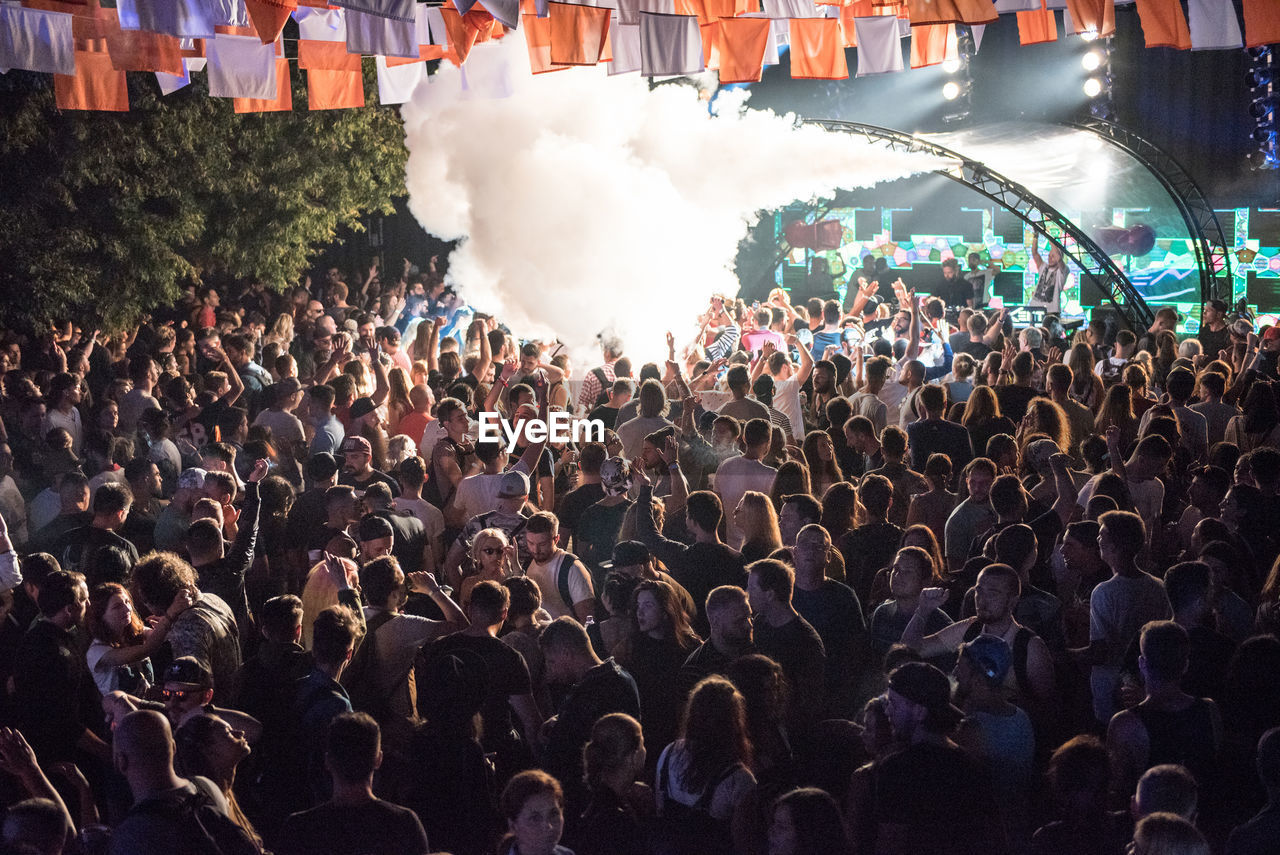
x=104, y=216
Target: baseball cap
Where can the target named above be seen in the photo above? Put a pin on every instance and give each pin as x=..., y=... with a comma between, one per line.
x=321, y=466
x=1039, y=452
x=991, y=655
x=1272, y=332
x=923, y=684
x=289, y=386
x=627, y=553
x=192, y=479
x=513, y=485
x=1241, y=328
x=374, y=527
x=362, y=407
x=189, y=671
x=356, y=444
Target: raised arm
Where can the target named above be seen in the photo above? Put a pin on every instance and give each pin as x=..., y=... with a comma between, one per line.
x=486, y=353
x=1064, y=505
x=17, y=758
x=806, y=360
x=945, y=640
x=233, y=377
x=913, y=346
x=433, y=342
x=382, y=388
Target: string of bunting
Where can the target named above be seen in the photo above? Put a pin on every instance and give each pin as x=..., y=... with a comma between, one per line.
x=238, y=44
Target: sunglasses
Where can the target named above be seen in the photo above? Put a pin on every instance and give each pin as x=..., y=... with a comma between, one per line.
x=491, y=550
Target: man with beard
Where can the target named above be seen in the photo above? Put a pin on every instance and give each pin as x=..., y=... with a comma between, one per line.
x=357, y=469
x=996, y=595
x=729, y=616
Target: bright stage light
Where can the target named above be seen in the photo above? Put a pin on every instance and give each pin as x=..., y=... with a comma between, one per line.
x=951, y=90
x=1091, y=60
x=951, y=66
x=1088, y=35
x=1092, y=87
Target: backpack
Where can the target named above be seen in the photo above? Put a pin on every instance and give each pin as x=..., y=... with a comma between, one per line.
x=211, y=830
x=686, y=830
x=1111, y=372
x=360, y=677
x=606, y=385
x=562, y=578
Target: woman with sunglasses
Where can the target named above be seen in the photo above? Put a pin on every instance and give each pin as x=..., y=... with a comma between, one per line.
x=495, y=559
x=119, y=656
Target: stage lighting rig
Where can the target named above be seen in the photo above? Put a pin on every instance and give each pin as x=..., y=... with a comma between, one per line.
x=1097, y=88
x=958, y=90
x=1264, y=100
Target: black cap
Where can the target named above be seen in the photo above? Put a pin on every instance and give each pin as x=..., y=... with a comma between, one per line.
x=628, y=553
x=373, y=527
x=321, y=466
x=189, y=671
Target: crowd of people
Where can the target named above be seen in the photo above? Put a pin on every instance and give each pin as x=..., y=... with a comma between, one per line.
x=887, y=578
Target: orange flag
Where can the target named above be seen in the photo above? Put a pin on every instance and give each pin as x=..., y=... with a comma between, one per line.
x=269, y=17
x=951, y=12
x=334, y=90
x=1164, y=24
x=933, y=44
x=577, y=33
x=316, y=55
x=743, y=42
x=1261, y=23
x=848, y=29
x=817, y=49
x=720, y=9
x=537, y=35
x=1037, y=27
x=1096, y=16
x=461, y=37
x=140, y=50
x=283, y=102
x=94, y=86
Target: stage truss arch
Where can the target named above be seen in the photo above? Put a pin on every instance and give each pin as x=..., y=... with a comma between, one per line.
x=1212, y=251
x=1030, y=208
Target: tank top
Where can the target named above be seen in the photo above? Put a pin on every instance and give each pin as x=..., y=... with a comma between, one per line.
x=1185, y=737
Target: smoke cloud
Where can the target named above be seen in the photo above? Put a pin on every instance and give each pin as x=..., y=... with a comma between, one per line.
x=592, y=204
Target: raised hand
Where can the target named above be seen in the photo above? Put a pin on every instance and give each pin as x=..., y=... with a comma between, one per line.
x=932, y=598
x=16, y=756
x=260, y=469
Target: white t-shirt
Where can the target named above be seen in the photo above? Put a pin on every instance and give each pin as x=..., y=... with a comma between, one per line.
x=70, y=422
x=1148, y=498
x=736, y=476
x=1118, y=610
x=14, y=510
x=478, y=494
x=786, y=400
x=548, y=578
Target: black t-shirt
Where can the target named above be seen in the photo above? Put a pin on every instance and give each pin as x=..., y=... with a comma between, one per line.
x=1014, y=401
x=926, y=798
x=606, y=414
x=597, y=532
x=374, y=476
x=577, y=501
x=865, y=550
x=374, y=826
x=1212, y=342
x=797, y=647
x=508, y=675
